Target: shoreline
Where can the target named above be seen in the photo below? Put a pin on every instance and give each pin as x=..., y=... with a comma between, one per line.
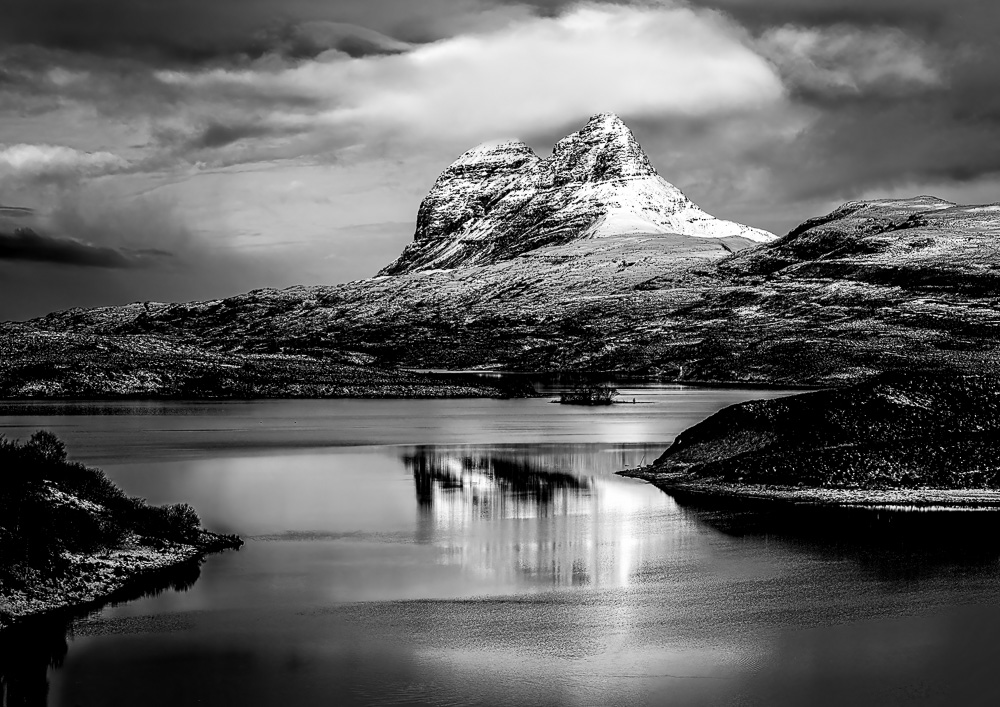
x=428, y=393
x=94, y=580
x=436, y=394
x=625, y=378
x=681, y=485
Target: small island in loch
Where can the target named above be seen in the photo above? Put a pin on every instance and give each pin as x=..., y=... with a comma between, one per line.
x=596, y=394
x=69, y=537
x=917, y=440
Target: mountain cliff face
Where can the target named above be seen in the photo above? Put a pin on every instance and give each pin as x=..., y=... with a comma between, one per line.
x=498, y=201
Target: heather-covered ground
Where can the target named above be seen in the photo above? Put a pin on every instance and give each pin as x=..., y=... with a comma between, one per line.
x=891, y=285
x=910, y=439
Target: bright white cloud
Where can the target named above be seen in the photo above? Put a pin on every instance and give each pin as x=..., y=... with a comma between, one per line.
x=56, y=162
x=530, y=75
x=844, y=58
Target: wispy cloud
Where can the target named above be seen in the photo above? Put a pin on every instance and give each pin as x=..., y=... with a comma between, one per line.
x=56, y=162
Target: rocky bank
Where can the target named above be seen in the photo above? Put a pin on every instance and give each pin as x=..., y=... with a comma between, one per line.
x=894, y=440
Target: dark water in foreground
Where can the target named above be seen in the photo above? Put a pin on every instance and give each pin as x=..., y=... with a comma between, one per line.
x=482, y=552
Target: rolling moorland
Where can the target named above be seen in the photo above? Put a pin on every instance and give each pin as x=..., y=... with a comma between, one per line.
x=583, y=261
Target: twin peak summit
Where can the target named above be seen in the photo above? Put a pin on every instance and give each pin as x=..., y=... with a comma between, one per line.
x=500, y=200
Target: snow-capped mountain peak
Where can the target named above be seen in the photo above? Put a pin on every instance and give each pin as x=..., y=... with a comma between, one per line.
x=500, y=200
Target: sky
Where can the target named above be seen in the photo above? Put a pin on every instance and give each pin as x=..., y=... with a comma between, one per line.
x=175, y=150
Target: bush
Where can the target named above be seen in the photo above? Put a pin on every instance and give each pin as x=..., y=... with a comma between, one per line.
x=35, y=529
x=48, y=447
x=177, y=522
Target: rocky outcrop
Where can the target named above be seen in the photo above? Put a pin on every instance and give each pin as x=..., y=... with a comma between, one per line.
x=498, y=201
x=868, y=443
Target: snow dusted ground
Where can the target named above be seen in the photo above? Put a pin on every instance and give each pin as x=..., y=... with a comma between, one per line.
x=89, y=578
x=873, y=286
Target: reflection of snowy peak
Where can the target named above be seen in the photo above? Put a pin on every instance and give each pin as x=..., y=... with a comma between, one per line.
x=498, y=201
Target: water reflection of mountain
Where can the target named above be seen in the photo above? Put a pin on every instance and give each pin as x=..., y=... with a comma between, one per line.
x=497, y=482
x=29, y=649
x=550, y=514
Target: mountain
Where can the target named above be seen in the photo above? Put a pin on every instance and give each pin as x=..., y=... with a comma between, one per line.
x=565, y=283
x=498, y=201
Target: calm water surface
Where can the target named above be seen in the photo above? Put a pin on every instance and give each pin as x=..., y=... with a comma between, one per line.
x=483, y=552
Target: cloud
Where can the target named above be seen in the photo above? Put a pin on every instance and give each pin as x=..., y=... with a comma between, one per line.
x=99, y=213
x=26, y=244
x=910, y=14
x=532, y=74
x=844, y=59
x=312, y=38
x=56, y=162
x=194, y=31
x=220, y=134
x=856, y=149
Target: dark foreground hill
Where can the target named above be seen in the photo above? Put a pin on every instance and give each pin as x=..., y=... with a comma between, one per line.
x=895, y=438
x=69, y=536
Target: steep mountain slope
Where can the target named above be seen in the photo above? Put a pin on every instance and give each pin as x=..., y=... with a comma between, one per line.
x=498, y=201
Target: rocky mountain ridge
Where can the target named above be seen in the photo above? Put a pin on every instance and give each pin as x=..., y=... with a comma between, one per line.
x=498, y=201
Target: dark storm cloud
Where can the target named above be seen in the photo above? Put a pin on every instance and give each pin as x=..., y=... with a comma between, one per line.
x=26, y=244
x=861, y=147
x=309, y=39
x=219, y=134
x=761, y=14
x=901, y=93
x=200, y=30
